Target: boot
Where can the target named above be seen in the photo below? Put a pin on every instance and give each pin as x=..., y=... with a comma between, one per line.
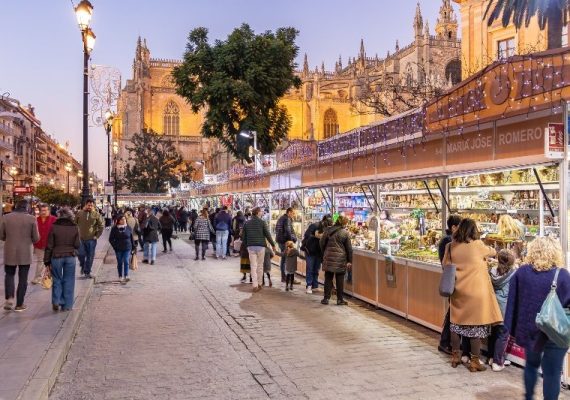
x=455, y=358
x=475, y=365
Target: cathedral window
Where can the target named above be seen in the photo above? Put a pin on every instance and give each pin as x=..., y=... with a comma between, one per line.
x=505, y=48
x=453, y=71
x=171, y=119
x=331, y=123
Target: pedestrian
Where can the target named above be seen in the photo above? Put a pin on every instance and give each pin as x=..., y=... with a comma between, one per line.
x=61, y=248
x=283, y=233
x=312, y=249
x=222, y=224
x=255, y=236
x=122, y=241
x=445, y=337
x=167, y=223
x=19, y=231
x=473, y=305
x=45, y=220
x=90, y=229
x=108, y=215
x=500, y=277
x=269, y=254
x=237, y=226
x=529, y=287
x=150, y=231
x=337, y=259
x=291, y=255
x=142, y=216
x=213, y=235
x=183, y=219
x=203, y=229
x=191, y=219
x=133, y=223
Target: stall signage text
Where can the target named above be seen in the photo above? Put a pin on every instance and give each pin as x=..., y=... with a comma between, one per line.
x=554, y=143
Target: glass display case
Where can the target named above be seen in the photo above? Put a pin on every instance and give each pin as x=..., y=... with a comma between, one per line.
x=410, y=222
x=358, y=204
x=280, y=202
x=509, y=206
x=317, y=203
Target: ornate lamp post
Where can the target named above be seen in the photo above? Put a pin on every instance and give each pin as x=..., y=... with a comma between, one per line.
x=108, y=123
x=68, y=169
x=115, y=152
x=84, y=12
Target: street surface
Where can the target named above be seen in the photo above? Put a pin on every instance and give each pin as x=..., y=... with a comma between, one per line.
x=185, y=329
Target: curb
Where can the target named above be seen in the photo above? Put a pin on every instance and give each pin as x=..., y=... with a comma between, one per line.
x=44, y=376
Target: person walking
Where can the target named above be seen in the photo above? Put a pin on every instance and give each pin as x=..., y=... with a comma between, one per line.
x=237, y=226
x=312, y=249
x=19, y=231
x=255, y=237
x=183, y=219
x=203, y=229
x=284, y=233
x=141, y=217
x=473, y=305
x=122, y=241
x=337, y=259
x=222, y=224
x=45, y=220
x=529, y=287
x=167, y=223
x=192, y=219
x=133, y=223
x=150, y=231
x=61, y=248
x=108, y=215
x=291, y=255
x=500, y=277
x=445, y=337
x=213, y=235
x=91, y=228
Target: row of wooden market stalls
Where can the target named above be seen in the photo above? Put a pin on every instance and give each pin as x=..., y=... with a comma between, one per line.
x=493, y=149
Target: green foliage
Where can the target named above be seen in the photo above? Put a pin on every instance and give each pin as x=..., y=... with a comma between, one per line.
x=50, y=195
x=153, y=160
x=238, y=83
x=551, y=12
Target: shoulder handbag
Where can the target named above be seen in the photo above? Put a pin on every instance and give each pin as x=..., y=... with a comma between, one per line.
x=552, y=318
x=47, y=281
x=134, y=264
x=447, y=281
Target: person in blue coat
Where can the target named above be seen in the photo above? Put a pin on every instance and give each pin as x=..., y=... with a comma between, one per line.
x=122, y=241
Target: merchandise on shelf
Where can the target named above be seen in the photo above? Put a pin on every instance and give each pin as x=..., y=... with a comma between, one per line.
x=353, y=203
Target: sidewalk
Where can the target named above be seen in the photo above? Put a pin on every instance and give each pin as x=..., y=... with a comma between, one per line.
x=34, y=343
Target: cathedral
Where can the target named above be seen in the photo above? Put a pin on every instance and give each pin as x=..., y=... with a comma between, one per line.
x=327, y=103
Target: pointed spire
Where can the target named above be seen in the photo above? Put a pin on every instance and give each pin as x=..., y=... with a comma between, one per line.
x=397, y=45
x=418, y=21
x=323, y=67
x=362, y=52
x=306, y=66
x=340, y=62
x=426, y=31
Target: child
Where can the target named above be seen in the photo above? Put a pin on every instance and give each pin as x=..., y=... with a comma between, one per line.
x=291, y=254
x=501, y=276
x=267, y=265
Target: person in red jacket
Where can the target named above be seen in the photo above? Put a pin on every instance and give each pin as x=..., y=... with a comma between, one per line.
x=45, y=221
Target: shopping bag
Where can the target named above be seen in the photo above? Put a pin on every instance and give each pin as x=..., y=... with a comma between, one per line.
x=552, y=318
x=447, y=280
x=237, y=244
x=134, y=264
x=47, y=281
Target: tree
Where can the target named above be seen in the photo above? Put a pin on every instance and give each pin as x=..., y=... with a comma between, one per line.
x=551, y=12
x=50, y=195
x=153, y=160
x=238, y=82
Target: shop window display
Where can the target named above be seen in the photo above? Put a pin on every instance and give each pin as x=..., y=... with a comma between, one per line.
x=317, y=204
x=280, y=202
x=357, y=203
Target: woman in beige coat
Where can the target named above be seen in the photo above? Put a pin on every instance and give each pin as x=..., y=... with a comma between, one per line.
x=473, y=305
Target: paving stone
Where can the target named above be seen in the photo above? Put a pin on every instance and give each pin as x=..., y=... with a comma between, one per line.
x=196, y=332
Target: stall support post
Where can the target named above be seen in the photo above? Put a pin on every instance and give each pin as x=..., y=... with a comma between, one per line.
x=445, y=209
x=564, y=187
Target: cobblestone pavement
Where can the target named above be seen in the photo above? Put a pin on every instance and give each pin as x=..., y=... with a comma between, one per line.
x=185, y=329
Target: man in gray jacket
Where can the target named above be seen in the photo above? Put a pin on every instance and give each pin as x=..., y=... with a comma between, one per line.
x=19, y=231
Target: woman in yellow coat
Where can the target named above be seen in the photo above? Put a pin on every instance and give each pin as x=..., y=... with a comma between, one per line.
x=473, y=305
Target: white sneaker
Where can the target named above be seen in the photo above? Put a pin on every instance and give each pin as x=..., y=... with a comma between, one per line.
x=507, y=363
x=309, y=290
x=497, y=367
x=464, y=359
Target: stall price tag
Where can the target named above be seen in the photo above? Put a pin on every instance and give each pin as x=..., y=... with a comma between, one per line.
x=554, y=141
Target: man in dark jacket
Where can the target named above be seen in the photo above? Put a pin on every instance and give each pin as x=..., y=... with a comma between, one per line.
x=222, y=225
x=314, y=256
x=150, y=231
x=283, y=233
x=445, y=338
x=337, y=259
x=255, y=237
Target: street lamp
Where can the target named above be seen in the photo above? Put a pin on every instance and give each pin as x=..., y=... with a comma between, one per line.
x=109, y=116
x=84, y=12
x=203, y=164
x=115, y=152
x=253, y=135
x=51, y=182
x=68, y=168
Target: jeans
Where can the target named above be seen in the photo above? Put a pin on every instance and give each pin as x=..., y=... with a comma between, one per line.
x=86, y=255
x=204, y=247
x=123, y=259
x=551, y=359
x=256, y=258
x=63, y=275
x=39, y=261
x=9, y=286
x=150, y=251
x=282, y=248
x=498, y=343
x=166, y=238
x=222, y=243
x=313, y=266
x=339, y=285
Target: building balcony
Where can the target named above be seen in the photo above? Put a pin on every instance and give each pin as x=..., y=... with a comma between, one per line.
x=8, y=130
x=41, y=147
x=6, y=146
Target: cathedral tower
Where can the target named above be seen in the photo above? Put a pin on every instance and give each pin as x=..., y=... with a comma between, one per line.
x=446, y=27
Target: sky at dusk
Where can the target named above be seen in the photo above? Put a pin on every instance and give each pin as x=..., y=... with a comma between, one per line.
x=41, y=52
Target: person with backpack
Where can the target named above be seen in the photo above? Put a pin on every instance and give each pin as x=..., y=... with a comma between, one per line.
x=222, y=224
x=284, y=233
x=312, y=249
